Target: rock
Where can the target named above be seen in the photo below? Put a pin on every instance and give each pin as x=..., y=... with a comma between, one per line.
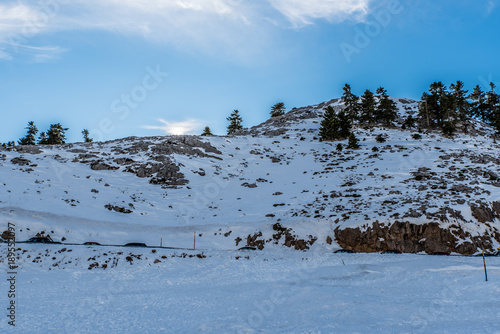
x=496, y=208
x=252, y=241
x=111, y=207
x=238, y=240
x=482, y=213
x=164, y=173
x=7, y=235
x=410, y=238
x=124, y=161
x=20, y=161
x=29, y=149
x=98, y=165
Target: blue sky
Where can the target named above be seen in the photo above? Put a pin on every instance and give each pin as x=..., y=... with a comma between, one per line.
x=133, y=67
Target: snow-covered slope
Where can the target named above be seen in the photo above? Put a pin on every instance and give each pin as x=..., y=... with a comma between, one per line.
x=275, y=183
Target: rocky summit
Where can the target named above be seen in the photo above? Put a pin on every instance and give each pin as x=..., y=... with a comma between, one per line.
x=272, y=185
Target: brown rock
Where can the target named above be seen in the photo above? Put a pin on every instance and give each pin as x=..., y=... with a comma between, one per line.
x=411, y=238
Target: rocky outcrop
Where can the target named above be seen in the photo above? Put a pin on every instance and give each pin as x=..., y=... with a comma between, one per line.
x=253, y=241
x=115, y=208
x=99, y=165
x=160, y=169
x=7, y=235
x=291, y=240
x=20, y=162
x=485, y=213
x=184, y=145
x=284, y=235
x=413, y=238
x=165, y=172
x=29, y=149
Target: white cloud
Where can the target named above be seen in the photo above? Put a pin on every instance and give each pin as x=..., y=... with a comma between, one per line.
x=189, y=126
x=234, y=27
x=19, y=23
x=303, y=12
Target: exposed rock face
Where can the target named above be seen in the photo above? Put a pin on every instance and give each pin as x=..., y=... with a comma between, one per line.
x=29, y=149
x=412, y=238
x=290, y=240
x=485, y=213
x=164, y=172
x=252, y=241
x=188, y=145
x=6, y=235
x=98, y=165
x=111, y=207
x=185, y=145
x=160, y=169
x=20, y=162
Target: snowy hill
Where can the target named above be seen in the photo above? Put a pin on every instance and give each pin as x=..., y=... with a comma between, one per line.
x=273, y=184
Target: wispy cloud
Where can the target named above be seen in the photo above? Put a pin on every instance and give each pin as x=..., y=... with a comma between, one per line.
x=40, y=54
x=233, y=26
x=19, y=23
x=303, y=12
x=189, y=126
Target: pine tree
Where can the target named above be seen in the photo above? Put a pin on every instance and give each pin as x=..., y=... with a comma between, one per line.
x=350, y=103
x=334, y=126
x=409, y=122
x=327, y=130
x=478, y=105
x=278, y=109
x=448, y=128
x=207, y=131
x=492, y=103
x=56, y=135
x=496, y=119
x=353, y=142
x=30, y=138
x=387, y=110
x=235, y=121
x=368, y=107
x=43, y=139
x=8, y=144
x=431, y=110
x=463, y=111
x=345, y=125
x=439, y=108
x=86, y=137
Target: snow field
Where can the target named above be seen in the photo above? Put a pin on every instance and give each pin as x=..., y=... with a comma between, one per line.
x=279, y=291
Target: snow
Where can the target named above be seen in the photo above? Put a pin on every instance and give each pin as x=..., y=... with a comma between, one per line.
x=312, y=189
x=56, y=195
x=279, y=291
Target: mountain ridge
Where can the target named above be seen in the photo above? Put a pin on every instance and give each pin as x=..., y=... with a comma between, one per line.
x=270, y=185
